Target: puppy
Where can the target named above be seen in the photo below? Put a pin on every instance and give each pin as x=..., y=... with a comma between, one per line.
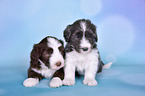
x=82, y=54
x=47, y=60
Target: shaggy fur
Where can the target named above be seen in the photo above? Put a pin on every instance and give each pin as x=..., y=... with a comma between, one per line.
x=47, y=60
x=82, y=54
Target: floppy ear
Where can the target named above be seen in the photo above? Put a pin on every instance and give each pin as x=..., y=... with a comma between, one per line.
x=61, y=41
x=35, y=54
x=94, y=28
x=96, y=37
x=67, y=33
x=62, y=48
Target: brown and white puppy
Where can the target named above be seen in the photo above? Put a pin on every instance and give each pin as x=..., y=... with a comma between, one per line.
x=82, y=54
x=47, y=61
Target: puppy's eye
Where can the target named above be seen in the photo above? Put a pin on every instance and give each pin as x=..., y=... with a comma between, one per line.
x=78, y=35
x=49, y=51
x=61, y=48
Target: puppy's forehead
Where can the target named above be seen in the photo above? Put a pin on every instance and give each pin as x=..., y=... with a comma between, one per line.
x=53, y=43
x=83, y=25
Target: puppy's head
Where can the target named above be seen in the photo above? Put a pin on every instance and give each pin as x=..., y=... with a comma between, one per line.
x=81, y=35
x=50, y=51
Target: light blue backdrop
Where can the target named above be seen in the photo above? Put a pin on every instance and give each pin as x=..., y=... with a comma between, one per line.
x=120, y=27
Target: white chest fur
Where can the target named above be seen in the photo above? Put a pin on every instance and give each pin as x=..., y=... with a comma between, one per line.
x=47, y=73
x=82, y=61
x=44, y=71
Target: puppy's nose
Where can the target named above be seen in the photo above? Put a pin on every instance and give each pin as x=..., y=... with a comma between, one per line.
x=58, y=64
x=85, y=49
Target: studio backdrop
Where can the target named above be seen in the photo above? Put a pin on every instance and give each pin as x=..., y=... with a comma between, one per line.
x=120, y=27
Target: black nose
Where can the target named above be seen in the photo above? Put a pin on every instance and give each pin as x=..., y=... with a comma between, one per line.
x=58, y=64
x=85, y=49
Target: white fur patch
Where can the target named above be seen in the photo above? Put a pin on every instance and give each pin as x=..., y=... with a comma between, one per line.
x=86, y=64
x=84, y=61
x=55, y=82
x=69, y=78
x=90, y=82
x=29, y=82
x=44, y=71
x=69, y=69
x=83, y=26
x=56, y=55
x=68, y=82
x=85, y=44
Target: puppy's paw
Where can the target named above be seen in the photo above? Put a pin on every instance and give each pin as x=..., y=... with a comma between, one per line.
x=55, y=82
x=29, y=82
x=90, y=82
x=68, y=82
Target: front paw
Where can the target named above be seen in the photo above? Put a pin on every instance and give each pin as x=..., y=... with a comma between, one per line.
x=29, y=82
x=55, y=82
x=68, y=82
x=90, y=82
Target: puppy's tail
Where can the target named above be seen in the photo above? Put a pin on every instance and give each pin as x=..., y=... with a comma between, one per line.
x=107, y=66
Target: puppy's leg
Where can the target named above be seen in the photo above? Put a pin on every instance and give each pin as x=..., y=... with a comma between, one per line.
x=89, y=78
x=69, y=78
x=57, y=78
x=33, y=79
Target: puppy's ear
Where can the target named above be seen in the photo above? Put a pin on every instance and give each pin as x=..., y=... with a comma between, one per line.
x=35, y=54
x=67, y=33
x=62, y=48
x=96, y=37
x=61, y=41
x=94, y=29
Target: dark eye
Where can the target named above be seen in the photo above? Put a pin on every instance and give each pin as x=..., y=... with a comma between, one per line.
x=49, y=51
x=78, y=35
x=61, y=48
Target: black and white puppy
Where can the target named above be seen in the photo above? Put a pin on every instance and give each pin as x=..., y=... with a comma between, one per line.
x=82, y=54
x=47, y=60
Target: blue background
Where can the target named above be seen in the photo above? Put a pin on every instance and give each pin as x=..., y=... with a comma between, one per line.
x=120, y=27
